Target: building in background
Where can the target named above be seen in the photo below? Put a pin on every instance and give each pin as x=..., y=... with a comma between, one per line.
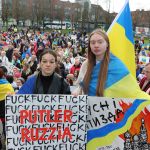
x=81, y=14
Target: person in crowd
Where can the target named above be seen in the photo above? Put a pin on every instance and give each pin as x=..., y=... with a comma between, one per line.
x=72, y=59
x=145, y=81
x=26, y=50
x=4, y=59
x=33, y=63
x=27, y=59
x=46, y=81
x=19, y=82
x=71, y=78
x=9, y=52
x=39, y=51
x=101, y=73
x=60, y=69
x=26, y=71
x=5, y=88
x=15, y=61
x=76, y=66
x=143, y=52
x=67, y=65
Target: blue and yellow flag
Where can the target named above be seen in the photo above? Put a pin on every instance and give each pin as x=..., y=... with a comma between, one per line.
x=121, y=38
x=5, y=88
x=122, y=46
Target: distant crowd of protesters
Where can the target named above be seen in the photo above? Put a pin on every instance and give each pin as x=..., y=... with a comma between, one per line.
x=21, y=49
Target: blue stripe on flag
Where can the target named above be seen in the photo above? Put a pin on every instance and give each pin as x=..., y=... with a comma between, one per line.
x=97, y=133
x=125, y=20
x=116, y=71
x=3, y=81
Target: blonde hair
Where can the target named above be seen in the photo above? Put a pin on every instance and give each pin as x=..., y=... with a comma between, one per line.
x=92, y=61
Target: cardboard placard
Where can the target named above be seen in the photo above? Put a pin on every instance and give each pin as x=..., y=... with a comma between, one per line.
x=118, y=124
x=45, y=122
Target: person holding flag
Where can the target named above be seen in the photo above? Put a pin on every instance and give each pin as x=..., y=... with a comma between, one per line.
x=110, y=68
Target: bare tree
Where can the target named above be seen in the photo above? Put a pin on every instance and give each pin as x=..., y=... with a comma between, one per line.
x=16, y=10
x=85, y=14
x=108, y=14
x=24, y=14
x=135, y=18
x=60, y=13
x=148, y=19
x=39, y=12
x=77, y=16
x=5, y=12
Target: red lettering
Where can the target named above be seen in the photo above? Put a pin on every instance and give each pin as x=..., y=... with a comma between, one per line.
x=58, y=116
x=34, y=135
x=67, y=133
x=23, y=115
x=59, y=133
x=41, y=115
x=32, y=118
x=51, y=136
x=34, y=115
x=67, y=115
x=44, y=130
x=24, y=134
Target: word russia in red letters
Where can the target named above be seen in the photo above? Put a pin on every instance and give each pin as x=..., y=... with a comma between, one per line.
x=40, y=116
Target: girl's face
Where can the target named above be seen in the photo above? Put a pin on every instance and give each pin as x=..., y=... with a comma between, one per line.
x=98, y=46
x=47, y=64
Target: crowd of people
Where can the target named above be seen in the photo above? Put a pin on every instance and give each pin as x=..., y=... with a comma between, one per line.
x=23, y=49
x=52, y=62
x=20, y=52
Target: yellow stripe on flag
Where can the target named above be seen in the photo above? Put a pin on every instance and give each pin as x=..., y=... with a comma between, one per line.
x=121, y=47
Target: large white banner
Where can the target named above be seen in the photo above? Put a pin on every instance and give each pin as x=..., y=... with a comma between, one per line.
x=46, y=122
x=118, y=124
x=60, y=122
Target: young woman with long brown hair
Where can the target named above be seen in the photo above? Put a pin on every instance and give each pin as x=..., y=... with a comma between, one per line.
x=101, y=70
x=98, y=52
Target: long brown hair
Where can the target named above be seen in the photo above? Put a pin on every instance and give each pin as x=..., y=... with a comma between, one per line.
x=48, y=51
x=92, y=61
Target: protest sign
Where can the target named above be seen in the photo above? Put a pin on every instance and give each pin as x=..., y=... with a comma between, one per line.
x=144, y=60
x=46, y=122
x=118, y=124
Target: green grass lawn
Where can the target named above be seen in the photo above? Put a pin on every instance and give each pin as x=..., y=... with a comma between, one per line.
x=147, y=40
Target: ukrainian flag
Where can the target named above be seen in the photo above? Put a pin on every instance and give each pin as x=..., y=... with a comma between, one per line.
x=5, y=88
x=122, y=47
x=121, y=38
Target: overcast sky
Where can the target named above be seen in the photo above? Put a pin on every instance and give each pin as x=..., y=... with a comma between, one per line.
x=116, y=5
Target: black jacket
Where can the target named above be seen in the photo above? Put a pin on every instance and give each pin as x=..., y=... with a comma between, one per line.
x=56, y=85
